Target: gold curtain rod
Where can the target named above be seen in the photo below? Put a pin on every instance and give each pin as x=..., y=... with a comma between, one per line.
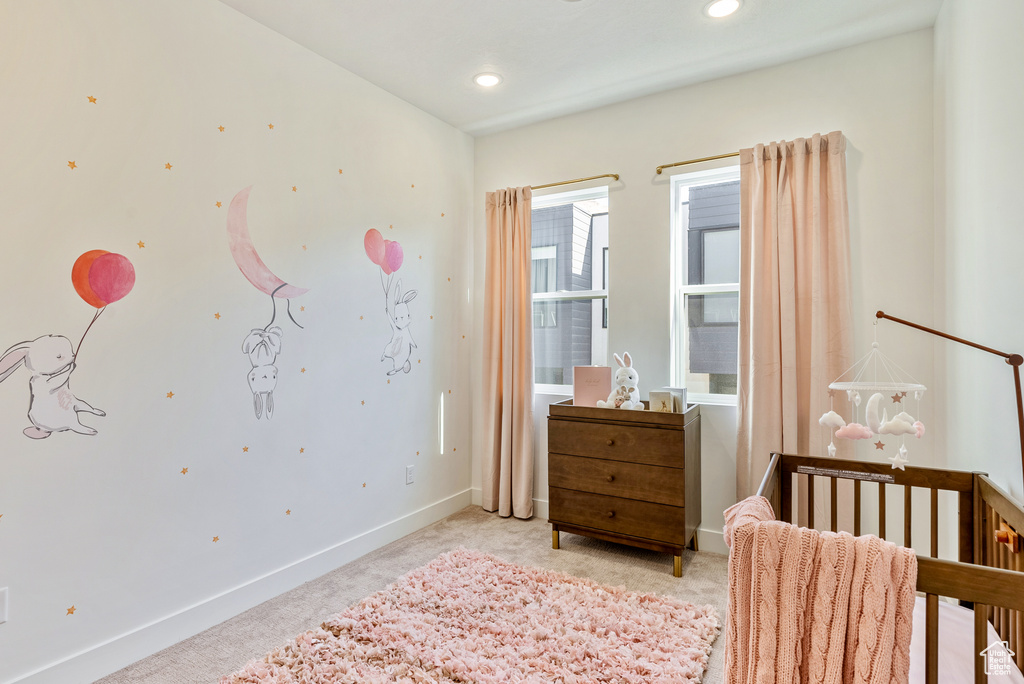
x=696, y=161
x=613, y=176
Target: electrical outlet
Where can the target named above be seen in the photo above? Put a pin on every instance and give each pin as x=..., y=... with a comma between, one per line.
x=409, y=474
x=3, y=605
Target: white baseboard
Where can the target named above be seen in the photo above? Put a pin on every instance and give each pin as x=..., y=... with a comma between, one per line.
x=112, y=655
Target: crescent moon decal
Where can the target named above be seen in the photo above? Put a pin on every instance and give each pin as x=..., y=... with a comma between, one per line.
x=245, y=256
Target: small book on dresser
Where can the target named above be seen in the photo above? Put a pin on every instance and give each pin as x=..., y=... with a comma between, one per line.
x=590, y=384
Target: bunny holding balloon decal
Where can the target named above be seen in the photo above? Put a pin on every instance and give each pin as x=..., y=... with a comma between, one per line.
x=100, y=278
x=389, y=256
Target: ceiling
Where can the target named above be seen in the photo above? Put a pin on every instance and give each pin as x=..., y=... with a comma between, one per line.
x=563, y=56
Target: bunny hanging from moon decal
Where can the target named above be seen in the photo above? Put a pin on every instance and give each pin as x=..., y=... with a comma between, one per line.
x=388, y=255
x=100, y=278
x=261, y=345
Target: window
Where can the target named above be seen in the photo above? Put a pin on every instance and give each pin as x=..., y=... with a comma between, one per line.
x=705, y=283
x=570, y=285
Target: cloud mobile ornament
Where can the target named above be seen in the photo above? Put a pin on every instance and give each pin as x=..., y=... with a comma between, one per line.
x=887, y=388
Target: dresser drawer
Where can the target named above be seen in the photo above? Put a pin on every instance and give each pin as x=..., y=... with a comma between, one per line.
x=622, y=516
x=653, y=446
x=617, y=478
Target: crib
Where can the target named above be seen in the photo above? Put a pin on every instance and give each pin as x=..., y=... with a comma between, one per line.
x=989, y=574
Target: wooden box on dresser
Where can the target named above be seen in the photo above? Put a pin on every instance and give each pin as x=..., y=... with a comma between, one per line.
x=631, y=477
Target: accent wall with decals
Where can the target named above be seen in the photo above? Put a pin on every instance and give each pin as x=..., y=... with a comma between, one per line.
x=208, y=393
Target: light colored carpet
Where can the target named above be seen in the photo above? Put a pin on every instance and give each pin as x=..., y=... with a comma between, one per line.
x=228, y=646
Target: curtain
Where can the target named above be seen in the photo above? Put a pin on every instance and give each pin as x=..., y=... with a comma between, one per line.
x=507, y=467
x=795, y=309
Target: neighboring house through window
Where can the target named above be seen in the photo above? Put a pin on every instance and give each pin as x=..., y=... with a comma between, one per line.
x=705, y=283
x=570, y=242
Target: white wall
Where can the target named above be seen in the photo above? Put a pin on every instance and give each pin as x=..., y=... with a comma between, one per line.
x=979, y=98
x=108, y=523
x=879, y=94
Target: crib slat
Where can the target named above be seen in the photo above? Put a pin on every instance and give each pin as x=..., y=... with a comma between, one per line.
x=856, y=508
x=1018, y=563
x=980, y=636
x=835, y=510
x=786, y=482
x=907, y=500
x=810, y=501
x=935, y=523
x=881, y=510
x=931, y=631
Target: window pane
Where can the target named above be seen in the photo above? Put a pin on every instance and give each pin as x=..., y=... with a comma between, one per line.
x=712, y=343
x=569, y=250
x=721, y=256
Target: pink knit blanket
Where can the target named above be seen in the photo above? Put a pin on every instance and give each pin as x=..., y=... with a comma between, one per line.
x=810, y=606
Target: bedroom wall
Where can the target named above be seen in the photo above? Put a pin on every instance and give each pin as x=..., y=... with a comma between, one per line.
x=130, y=127
x=879, y=94
x=978, y=100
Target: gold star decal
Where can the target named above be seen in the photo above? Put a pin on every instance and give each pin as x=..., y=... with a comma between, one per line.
x=217, y=316
x=389, y=381
x=449, y=391
x=72, y=165
x=71, y=610
x=270, y=126
x=216, y=539
x=92, y=99
x=903, y=394
x=303, y=370
x=454, y=449
x=449, y=280
x=413, y=185
x=288, y=512
x=339, y=170
x=442, y=214
x=363, y=402
x=302, y=450
x=879, y=445
x=167, y=166
x=421, y=256
x=364, y=485
x=141, y=244
x=220, y=128
x=463, y=337
x=302, y=308
x=245, y=450
x=170, y=395
x=431, y=317
x=897, y=398
x=392, y=226
x=419, y=360
x=218, y=205
x=360, y=318
x=294, y=189
x=303, y=248
x=417, y=453
x=184, y=471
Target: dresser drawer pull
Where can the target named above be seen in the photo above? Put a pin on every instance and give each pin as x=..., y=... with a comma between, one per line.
x=611, y=442
x=611, y=514
x=610, y=478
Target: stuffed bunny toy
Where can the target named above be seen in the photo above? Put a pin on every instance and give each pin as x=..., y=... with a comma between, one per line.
x=52, y=407
x=626, y=393
x=399, y=349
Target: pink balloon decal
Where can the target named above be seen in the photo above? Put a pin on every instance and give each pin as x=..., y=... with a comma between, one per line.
x=111, y=277
x=393, y=255
x=373, y=243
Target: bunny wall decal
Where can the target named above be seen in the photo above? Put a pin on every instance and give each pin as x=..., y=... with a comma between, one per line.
x=53, y=407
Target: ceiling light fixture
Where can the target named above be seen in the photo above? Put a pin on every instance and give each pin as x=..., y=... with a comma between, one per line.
x=721, y=8
x=487, y=80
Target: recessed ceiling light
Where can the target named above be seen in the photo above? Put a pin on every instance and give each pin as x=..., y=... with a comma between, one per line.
x=721, y=8
x=487, y=80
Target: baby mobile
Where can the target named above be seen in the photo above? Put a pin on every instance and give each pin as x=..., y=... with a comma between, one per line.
x=887, y=388
x=388, y=255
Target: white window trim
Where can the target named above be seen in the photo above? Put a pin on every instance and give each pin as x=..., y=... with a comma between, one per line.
x=678, y=246
x=554, y=198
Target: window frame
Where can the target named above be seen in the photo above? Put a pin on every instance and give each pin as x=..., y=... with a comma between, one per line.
x=556, y=198
x=679, y=256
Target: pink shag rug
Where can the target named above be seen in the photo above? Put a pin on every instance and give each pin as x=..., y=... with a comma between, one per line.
x=470, y=617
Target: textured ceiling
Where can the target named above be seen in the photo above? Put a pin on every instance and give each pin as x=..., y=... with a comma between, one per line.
x=559, y=57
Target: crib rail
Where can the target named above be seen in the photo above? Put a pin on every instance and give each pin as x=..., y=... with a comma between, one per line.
x=990, y=573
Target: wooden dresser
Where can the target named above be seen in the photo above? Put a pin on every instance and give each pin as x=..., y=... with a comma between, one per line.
x=631, y=477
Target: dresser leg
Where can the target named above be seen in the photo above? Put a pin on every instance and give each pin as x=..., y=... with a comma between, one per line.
x=554, y=539
x=677, y=566
x=695, y=541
